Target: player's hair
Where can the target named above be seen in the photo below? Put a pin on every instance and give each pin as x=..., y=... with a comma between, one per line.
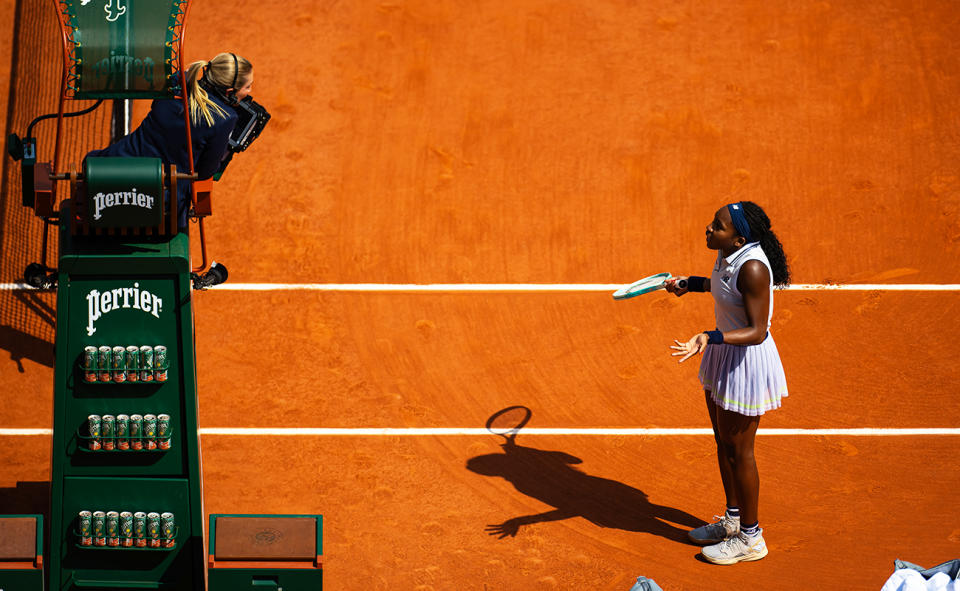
x=220, y=72
x=760, y=230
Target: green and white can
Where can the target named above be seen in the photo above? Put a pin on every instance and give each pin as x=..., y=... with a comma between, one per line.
x=133, y=363
x=136, y=430
x=160, y=363
x=140, y=529
x=150, y=431
x=123, y=432
x=99, y=528
x=118, y=364
x=104, y=353
x=146, y=363
x=85, y=528
x=90, y=363
x=163, y=431
x=113, y=528
x=93, y=429
x=153, y=529
x=126, y=529
x=108, y=431
x=168, y=529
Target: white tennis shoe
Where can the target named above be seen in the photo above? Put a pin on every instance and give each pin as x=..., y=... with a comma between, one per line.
x=739, y=548
x=723, y=529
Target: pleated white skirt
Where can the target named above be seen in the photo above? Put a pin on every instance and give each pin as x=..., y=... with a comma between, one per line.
x=747, y=379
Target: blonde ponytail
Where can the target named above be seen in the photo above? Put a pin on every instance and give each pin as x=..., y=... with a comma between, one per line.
x=201, y=105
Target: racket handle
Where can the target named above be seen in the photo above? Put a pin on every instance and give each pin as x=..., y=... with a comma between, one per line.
x=682, y=284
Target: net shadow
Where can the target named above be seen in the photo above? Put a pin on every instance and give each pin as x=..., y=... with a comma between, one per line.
x=26, y=319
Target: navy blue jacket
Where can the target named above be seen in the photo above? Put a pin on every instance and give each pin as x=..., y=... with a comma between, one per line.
x=161, y=135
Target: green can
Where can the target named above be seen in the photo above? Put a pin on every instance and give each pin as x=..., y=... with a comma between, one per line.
x=160, y=363
x=93, y=429
x=123, y=432
x=108, y=431
x=85, y=529
x=113, y=528
x=153, y=529
x=133, y=363
x=136, y=429
x=163, y=431
x=104, y=353
x=168, y=529
x=149, y=432
x=140, y=529
x=146, y=363
x=118, y=364
x=99, y=528
x=90, y=364
x=126, y=529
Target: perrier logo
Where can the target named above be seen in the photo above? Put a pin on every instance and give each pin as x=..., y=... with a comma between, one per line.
x=114, y=8
x=119, y=64
x=100, y=303
x=102, y=201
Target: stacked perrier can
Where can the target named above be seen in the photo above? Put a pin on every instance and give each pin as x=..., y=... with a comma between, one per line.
x=121, y=364
x=126, y=529
x=128, y=432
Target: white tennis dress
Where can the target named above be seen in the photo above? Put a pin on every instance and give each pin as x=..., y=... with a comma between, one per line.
x=747, y=379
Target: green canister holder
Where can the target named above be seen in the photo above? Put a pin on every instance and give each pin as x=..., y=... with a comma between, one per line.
x=123, y=192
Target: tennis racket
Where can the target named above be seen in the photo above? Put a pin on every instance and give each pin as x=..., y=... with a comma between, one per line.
x=507, y=422
x=645, y=285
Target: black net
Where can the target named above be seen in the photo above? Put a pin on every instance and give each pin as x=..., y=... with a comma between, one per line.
x=27, y=318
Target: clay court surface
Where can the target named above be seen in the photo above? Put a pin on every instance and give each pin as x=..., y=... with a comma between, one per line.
x=552, y=143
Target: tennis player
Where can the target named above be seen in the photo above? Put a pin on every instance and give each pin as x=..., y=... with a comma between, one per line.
x=740, y=371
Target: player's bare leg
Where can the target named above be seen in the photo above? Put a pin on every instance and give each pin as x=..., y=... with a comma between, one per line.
x=737, y=434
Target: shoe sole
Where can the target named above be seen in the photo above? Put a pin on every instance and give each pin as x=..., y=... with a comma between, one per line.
x=728, y=561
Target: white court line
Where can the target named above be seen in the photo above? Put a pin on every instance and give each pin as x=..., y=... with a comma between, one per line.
x=522, y=287
x=433, y=431
x=548, y=287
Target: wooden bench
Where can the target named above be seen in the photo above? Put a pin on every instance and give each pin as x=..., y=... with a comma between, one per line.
x=21, y=551
x=281, y=550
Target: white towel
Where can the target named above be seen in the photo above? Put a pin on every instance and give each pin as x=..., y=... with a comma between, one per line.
x=906, y=579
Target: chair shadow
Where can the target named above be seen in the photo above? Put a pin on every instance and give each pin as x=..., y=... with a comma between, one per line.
x=26, y=498
x=29, y=498
x=27, y=325
x=549, y=477
x=22, y=346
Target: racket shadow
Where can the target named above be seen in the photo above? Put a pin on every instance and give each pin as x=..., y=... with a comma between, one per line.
x=550, y=477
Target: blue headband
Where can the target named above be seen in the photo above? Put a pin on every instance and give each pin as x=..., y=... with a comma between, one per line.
x=739, y=220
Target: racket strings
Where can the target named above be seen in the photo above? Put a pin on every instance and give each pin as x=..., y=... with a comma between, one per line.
x=645, y=285
x=509, y=420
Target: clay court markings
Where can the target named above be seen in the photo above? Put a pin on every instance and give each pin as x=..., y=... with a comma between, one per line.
x=552, y=431
x=524, y=287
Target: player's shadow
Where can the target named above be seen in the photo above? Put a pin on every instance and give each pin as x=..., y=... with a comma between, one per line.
x=550, y=477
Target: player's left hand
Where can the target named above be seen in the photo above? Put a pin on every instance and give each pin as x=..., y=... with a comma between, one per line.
x=509, y=528
x=695, y=345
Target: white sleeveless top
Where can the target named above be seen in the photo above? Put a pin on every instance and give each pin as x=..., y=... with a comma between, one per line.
x=727, y=299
